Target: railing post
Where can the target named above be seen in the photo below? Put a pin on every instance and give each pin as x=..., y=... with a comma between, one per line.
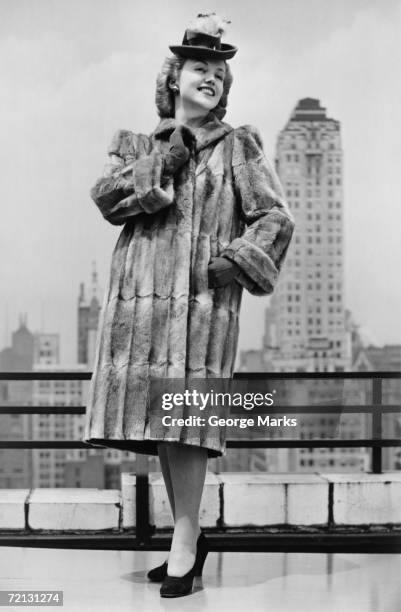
x=142, y=499
x=377, y=425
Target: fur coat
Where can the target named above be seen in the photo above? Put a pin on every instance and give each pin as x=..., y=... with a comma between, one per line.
x=159, y=318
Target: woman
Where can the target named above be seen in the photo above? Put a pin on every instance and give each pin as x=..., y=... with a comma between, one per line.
x=204, y=216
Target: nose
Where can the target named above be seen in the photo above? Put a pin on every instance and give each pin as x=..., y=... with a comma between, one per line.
x=210, y=79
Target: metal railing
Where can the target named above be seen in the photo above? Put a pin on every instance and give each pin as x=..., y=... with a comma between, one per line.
x=143, y=528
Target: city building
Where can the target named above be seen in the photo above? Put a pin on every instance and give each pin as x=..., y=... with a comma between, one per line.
x=88, y=321
x=307, y=327
x=48, y=465
x=384, y=359
x=306, y=323
x=46, y=348
x=16, y=464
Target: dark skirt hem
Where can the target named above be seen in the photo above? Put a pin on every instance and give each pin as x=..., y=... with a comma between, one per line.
x=146, y=447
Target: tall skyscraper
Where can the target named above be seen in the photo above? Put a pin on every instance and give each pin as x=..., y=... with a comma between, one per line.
x=307, y=327
x=306, y=324
x=88, y=321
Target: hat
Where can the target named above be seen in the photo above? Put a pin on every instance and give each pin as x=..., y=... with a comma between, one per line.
x=202, y=39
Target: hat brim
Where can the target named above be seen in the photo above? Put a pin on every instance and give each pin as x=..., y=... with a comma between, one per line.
x=199, y=52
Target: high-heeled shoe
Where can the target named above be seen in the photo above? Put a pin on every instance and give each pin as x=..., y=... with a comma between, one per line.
x=178, y=586
x=158, y=574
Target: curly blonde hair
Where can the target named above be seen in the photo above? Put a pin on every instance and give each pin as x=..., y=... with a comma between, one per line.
x=170, y=71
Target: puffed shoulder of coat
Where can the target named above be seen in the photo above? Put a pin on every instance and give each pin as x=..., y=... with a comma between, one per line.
x=261, y=250
x=132, y=181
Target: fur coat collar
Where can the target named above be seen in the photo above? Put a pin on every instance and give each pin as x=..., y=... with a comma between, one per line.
x=211, y=131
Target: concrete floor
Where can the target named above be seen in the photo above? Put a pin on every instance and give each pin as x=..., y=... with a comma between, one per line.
x=101, y=580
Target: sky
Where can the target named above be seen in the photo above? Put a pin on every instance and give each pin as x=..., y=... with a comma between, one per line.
x=72, y=72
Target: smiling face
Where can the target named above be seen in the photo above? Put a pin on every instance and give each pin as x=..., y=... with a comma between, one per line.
x=200, y=85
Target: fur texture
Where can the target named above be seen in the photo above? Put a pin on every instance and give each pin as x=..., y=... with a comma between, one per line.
x=159, y=317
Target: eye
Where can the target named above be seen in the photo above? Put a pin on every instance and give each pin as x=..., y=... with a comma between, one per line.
x=200, y=68
x=219, y=76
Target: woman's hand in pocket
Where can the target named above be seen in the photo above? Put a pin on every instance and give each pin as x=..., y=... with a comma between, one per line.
x=221, y=271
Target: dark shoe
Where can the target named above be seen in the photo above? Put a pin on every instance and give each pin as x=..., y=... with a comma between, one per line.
x=159, y=573
x=178, y=586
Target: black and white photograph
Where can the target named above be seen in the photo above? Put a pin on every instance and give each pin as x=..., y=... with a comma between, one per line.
x=200, y=330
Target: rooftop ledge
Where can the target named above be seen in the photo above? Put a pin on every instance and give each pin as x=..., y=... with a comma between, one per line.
x=231, y=500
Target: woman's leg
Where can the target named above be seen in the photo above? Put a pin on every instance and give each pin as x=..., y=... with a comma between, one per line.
x=187, y=470
x=162, y=452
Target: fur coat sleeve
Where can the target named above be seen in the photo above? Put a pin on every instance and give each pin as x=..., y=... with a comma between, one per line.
x=132, y=182
x=261, y=250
